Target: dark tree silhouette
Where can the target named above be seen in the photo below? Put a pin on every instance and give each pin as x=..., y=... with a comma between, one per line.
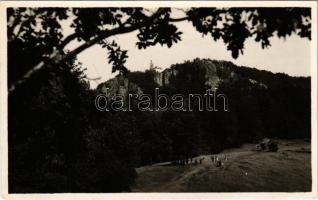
x=37, y=32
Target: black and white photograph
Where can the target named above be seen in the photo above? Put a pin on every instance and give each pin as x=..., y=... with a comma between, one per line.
x=165, y=98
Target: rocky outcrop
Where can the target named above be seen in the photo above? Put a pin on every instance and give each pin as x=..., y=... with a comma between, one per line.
x=119, y=85
x=163, y=78
x=214, y=72
x=210, y=70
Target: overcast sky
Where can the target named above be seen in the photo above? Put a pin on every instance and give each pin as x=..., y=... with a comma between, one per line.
x=290, y=56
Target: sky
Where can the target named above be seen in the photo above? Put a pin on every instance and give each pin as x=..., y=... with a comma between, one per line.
x=290, y=55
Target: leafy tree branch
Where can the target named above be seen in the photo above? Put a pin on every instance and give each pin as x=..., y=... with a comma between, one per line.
x=38, y=33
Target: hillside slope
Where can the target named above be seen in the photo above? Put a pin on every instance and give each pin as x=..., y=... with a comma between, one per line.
x=289, y=169
x=260, y=104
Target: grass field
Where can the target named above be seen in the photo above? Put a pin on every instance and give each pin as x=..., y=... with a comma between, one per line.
x=288, y=170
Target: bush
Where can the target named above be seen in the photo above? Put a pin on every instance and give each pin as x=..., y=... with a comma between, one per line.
x=272, y=146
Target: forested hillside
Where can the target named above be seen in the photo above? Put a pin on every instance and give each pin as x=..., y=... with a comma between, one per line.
x=59, y=141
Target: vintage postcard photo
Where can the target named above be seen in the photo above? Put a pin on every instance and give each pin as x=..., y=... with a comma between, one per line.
x=169, y=99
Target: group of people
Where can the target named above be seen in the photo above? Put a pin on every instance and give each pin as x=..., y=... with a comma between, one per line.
x=217, y=160
x=189, y=161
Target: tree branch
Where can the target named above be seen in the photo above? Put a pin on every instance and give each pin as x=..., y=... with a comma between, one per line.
x=67, y=40
x=108, y=33
x=26, y=76
x=178, y=19
x=57, y=59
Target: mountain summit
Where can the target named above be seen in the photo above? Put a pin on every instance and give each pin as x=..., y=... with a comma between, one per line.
x=199, y=72
x=260, y=102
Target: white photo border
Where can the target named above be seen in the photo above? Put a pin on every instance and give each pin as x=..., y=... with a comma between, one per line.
x=246, y=195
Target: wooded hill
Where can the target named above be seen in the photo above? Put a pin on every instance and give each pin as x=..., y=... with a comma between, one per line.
x=59, y=141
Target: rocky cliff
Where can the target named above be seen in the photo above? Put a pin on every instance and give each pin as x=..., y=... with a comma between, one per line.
x=119, y=85
x=213, y=72
x=195, y=73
